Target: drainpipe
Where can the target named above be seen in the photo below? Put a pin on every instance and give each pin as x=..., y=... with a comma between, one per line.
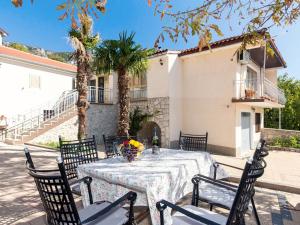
x=279, y=118
x=264, y=68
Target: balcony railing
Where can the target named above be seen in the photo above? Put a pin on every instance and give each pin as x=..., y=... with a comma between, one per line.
x=273, y=92
x=252, y=89
x=138, y=93
x=99, y=95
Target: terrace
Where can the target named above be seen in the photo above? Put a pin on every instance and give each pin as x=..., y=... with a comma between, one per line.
x=21, y=203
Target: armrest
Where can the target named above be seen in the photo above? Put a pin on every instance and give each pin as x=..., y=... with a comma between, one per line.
x=217, y=164
x=87, y=180
x=130, y=196
x=163, y=204
x=197, y=178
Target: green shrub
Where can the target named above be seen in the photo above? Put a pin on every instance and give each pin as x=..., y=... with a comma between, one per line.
x=289, y=142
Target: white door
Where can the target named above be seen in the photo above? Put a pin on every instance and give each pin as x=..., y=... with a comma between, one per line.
x=246, y=132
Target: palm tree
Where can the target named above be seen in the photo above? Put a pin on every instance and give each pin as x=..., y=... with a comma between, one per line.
x=125, y=57
x=83, y=42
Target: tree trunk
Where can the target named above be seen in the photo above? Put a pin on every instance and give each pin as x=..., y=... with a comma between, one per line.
x=82, y=88
x=123, y=86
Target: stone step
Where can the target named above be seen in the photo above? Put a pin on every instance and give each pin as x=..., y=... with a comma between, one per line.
x=33, y=133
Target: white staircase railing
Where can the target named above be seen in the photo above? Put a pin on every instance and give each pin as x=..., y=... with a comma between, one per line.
x=65, y=103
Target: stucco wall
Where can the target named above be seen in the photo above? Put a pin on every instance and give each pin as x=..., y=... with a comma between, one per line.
x=271, y=75
x=158, y=78
x=207, y=93
x=18, y=98
x=102, y=119
x=68, y=130
x=175, y=93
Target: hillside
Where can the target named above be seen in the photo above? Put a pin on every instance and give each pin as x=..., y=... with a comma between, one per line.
x=58, y=56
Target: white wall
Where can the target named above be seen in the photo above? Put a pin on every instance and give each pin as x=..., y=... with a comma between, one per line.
x=15, y=95
x=158, y=77
x=175, y=93
x=207, y=92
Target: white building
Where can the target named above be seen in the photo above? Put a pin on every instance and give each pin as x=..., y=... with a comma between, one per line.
x=28, y=82
x=219, y=91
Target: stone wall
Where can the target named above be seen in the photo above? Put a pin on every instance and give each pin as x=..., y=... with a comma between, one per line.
x=269, y=133
x=160, y=108
x=102, y=119
x=68, y=130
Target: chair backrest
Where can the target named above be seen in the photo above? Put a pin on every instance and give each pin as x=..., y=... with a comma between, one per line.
x=55, y=194
x=261, y=150
x=192, y=142
x=77, y=152
x=111, y=141
x=109, y=145
x=253, y=170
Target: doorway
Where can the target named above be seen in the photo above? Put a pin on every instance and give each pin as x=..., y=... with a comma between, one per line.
x=245, y=132
x=101, y=89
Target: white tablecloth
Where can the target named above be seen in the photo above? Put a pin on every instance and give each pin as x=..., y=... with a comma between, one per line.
x=154, y=177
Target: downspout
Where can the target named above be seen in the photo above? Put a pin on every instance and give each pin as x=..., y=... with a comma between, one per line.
x=279, y=118
x=264, y=68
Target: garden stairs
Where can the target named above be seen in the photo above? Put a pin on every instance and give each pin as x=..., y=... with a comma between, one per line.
x=38, y=124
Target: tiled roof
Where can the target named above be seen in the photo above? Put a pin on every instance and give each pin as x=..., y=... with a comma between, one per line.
x=230, y=41
x=216, y=44
x=30, y=58
x=159, y=52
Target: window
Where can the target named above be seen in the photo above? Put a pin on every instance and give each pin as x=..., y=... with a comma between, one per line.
x=251, y=79
x=257, y=122
x=34, y=81
x=139, y=81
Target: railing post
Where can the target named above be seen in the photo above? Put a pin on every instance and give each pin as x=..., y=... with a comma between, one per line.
x=15, y=134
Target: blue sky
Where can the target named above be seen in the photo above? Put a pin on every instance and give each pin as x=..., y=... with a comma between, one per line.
x=37, y=25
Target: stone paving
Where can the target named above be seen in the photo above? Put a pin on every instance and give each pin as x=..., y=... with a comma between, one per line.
x=20, y=203
x=283, y=168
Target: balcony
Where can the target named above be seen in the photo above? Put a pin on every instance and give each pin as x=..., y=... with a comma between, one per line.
x=253, y=93
x=99, y=95
x=138, y=94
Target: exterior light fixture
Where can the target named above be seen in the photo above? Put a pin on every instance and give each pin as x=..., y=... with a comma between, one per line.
x=161, y=62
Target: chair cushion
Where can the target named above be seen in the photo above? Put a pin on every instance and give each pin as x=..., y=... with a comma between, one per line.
x=180, y=219
x=75, y=188
x=116, y=216
x=216, y=194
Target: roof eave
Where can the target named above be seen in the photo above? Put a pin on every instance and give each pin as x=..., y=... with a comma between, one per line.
x=278, y=54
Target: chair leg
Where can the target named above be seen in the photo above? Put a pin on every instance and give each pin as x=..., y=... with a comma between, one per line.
x=255, y=212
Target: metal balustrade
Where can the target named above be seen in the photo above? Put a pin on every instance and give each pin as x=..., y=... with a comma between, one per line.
x=65, y=103
x=99, y=95
x=139, y=93
x=273, y=92
x=252, y=89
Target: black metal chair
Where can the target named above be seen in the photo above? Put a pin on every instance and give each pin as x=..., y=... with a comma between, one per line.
x=192, y=215
x=59, y=204
x=192, y=142
x=75, y=153
x=220, y=193
x=111, y=142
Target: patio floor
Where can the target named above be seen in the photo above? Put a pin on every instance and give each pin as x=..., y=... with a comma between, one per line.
x=20, y=203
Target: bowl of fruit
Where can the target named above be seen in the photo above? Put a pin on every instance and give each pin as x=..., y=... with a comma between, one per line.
x=131, y=150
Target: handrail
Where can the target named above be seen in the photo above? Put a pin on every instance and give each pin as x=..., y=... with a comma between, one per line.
x=138, y=93
x=66, y=102
x=99, y=95
x=254, y=88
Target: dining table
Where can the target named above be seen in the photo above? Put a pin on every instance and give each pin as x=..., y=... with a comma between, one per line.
x=153, y=177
